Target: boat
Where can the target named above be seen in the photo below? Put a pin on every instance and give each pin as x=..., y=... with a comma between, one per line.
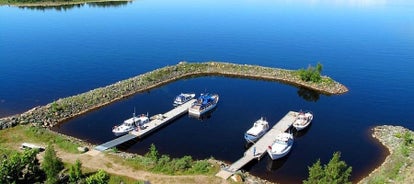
x=182, y=98
x=302, y=120
x=203, y=104
x=281, y=146
x=130, y=124
x=260, y=127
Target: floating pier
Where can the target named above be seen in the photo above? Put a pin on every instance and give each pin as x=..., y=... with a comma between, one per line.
x=159, y=121
x=261, y=145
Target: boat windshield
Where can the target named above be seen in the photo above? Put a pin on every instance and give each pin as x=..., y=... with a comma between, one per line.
x=282, y=142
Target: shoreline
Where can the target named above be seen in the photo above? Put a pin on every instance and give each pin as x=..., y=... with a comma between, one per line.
x=396, y=167
x=53, y=4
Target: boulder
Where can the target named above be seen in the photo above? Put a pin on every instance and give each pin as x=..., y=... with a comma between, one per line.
x=83, y=149
x=237, y=178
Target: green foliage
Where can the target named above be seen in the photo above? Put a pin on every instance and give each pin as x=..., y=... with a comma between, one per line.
x=51, y=165
x=153, y=153
x=20, y=167
x=165, y=164
x=56, y=107
x=183, y=163
x=101, y=177
x=201, y=166
x=75, y=172
x=408, y=138
x=311, y=74
x=123, y=180
x=335, y=172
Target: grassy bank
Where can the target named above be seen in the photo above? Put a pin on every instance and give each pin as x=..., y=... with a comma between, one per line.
x=398, y=166
x=121, y=168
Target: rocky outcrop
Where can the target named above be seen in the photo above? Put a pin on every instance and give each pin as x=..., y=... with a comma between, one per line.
x=70, y=107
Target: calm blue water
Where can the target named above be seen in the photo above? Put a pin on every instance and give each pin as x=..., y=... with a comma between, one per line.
x=367, y=45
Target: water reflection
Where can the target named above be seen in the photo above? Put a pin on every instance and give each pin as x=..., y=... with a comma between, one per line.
x=272, y=165
x=301, y=133
x=109, y=4
x=308, y=95
x=57, y=8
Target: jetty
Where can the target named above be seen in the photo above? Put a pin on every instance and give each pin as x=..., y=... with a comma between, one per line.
x=257, y=150
x=158, y=121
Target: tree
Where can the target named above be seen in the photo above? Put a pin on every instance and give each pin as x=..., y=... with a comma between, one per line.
x=23, y=167
x=153, y=153
x=75, y=172
x=51, y=165
x=311, y=73
x=335, y=172
x=101, y=177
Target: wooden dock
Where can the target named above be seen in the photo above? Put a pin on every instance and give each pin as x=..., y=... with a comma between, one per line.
x=161, y=120
x=261, y=145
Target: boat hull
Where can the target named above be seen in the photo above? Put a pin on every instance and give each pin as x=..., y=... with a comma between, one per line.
x=251, y=138
x=281, y=147
x=275, y=156
x=119, y=132
x=196, y=112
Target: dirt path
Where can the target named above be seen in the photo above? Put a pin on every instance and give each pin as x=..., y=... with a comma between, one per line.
x=96, y=160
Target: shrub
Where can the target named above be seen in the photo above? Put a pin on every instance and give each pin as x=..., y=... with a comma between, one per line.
x=101, y=177
x=153, y=153
x=311, y=73
x=335, y=172
x=20, y=167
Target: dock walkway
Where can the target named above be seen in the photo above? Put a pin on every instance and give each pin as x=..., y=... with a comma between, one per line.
x=261, y=145
x=149, y=127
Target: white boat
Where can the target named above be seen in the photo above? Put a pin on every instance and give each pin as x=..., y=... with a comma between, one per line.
x=260, y=127
x=203, y=104
x=182, y=98
x=303, y=120
x=281, y=146
x=130, y=124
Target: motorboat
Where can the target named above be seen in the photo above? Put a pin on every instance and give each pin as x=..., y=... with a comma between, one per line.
x=260, y=127
x=203, y=104
x=182, y=98
x=130, y=124
x=302, y=120
x=281, y=146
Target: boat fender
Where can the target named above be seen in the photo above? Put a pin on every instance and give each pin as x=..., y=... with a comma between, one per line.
x=270, y=147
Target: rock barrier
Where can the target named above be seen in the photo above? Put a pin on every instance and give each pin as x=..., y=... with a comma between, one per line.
x=63, y=109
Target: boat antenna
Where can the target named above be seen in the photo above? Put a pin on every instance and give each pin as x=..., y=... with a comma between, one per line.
x=133, y=115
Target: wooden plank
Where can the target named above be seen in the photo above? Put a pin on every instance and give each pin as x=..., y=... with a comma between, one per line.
x=260, y=146
x=115, y=142
x=168, y=116
x=149, y=127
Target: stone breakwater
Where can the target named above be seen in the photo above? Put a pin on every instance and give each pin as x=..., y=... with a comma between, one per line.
x=63, y=109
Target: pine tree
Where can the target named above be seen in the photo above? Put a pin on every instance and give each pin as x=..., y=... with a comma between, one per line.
x=335, y=172
x=75, y=172
x=51, y=165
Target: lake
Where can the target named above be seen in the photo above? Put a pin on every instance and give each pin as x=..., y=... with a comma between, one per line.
x=47, y=54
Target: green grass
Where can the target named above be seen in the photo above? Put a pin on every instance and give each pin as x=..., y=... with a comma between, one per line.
x=17, y=135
